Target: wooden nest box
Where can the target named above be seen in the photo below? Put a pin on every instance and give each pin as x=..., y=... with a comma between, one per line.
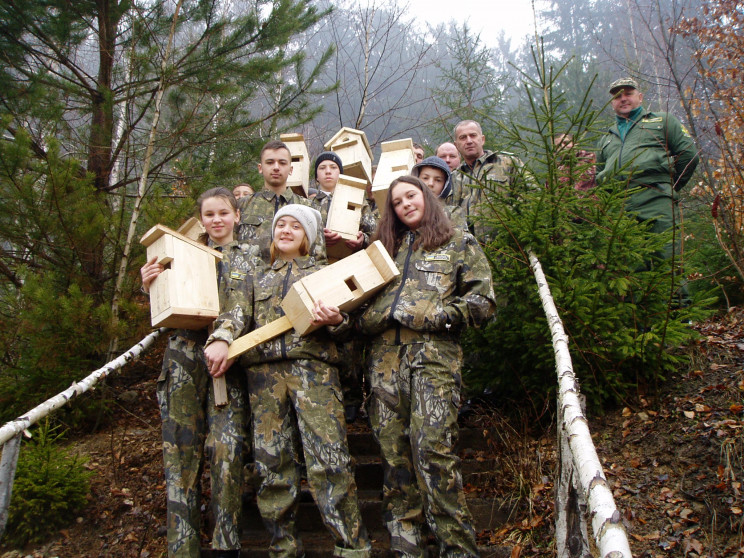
x=397, y=159
x=185, y=294
x=354, y=151
x=345, y=213
x=347, y=284
x=299, y=180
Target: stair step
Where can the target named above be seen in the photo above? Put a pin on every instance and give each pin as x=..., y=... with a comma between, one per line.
x=363, y=443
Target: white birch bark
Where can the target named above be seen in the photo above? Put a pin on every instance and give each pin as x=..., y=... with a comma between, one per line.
x=141, y=186
x=607, y=528
x=7, y=474
x=15, y=427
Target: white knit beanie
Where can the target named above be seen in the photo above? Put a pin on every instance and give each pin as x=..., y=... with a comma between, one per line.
x=308, y=217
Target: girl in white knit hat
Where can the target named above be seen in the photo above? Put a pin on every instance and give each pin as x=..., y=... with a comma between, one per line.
x=295, y=394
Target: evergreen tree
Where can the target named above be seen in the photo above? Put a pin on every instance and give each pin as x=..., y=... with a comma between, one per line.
x=79, y=89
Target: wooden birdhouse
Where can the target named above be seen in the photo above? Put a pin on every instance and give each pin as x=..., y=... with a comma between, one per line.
x=397, y=159
x=185, y=294
x=299, y=180
x=192, y=229
x=345, y=213
x=353, y=149
x=347, y=284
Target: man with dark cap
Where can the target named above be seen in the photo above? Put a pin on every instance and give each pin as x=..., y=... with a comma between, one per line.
x=651, y=152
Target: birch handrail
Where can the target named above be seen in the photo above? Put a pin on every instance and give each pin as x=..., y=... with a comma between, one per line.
x=15, y=427
x=573, y=431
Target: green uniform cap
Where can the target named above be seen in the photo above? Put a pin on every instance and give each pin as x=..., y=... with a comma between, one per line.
x=622, y=82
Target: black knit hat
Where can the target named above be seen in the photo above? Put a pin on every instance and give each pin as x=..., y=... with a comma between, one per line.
x=328, y=156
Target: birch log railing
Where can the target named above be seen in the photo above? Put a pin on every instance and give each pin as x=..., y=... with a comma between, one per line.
x=582, y=487
x=10, y=433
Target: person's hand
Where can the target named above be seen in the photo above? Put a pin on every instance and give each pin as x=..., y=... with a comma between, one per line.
x=331, y=237
x=356, y=244
x=216, y=357
x=326, y=315
x=149, y=272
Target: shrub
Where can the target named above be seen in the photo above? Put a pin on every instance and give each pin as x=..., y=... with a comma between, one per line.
x=617, y=298
x=51, y=485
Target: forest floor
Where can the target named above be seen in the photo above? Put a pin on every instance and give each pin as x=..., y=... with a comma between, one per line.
x=675, y=462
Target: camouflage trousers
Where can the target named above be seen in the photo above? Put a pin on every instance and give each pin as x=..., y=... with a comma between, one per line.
x=350, y=370
x=310, y=388
x=192, y=425
x=414, y=399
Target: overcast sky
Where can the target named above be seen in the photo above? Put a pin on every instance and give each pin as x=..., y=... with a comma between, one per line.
x=488, y=17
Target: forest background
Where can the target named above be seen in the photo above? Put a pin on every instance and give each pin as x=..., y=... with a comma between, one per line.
x=116, y=115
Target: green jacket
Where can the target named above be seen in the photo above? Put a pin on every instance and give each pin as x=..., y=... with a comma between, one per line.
x=657, y=152
x=446, y=288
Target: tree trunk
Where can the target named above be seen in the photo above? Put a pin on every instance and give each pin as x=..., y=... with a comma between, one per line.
x=141, y=186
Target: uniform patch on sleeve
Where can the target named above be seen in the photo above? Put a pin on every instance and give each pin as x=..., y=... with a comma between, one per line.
x=437, y=258
x=238, y=275
x=685, y=131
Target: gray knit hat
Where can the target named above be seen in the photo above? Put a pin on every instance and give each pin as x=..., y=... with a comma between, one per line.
x=308, y=217
x=328, y=156
x=437, y=163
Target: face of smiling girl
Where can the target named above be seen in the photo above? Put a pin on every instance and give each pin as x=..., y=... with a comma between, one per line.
x=408, y=204
x=288, y=237
x=219, y=219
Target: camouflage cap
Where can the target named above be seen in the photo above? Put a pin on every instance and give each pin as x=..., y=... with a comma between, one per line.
x=622, y=82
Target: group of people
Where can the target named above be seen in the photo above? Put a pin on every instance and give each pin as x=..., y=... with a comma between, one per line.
x=286, y=396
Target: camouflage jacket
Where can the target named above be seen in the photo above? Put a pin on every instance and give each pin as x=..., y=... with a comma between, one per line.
x=367, y=224
x=256, y=215
x=269, y=288
x=449, y=287
x=235, y=286
x=492, y=172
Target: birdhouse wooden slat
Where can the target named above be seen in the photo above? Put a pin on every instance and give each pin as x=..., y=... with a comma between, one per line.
x=299, y=180
x=354, y=151
x=345, y=213
x=397, y=159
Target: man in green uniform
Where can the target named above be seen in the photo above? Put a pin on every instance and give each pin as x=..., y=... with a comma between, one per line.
x=481, y=170
x=652, y=152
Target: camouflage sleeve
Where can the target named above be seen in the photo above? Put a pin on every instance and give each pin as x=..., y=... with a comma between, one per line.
x=368, y=223
x=340, y=332
x=236, y=297
x=474, y=302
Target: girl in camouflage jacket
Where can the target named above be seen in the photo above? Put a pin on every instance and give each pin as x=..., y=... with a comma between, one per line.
x=295, y=394
x=190, y=421
x=413, y=366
